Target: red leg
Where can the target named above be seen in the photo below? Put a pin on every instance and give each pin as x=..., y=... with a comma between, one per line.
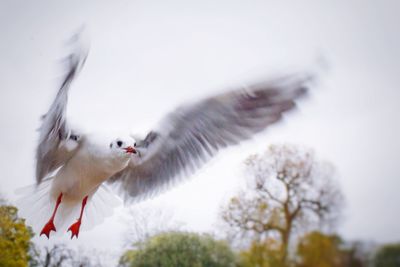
x=49, y=226
x=75, y=227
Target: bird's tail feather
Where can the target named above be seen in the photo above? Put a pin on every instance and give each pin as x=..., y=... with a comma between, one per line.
x=100, y=206
x=36, y=205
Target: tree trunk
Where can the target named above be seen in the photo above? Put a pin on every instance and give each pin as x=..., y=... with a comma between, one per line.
x=286, y=233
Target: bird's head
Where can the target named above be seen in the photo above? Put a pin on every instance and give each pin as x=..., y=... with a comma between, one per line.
x=123, y=147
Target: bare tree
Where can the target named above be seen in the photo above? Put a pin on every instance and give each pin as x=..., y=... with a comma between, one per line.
x=59, y=255
x=288, y=191
x=144, y=221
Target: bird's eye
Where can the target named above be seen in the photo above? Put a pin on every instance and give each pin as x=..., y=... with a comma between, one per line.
x=119, y=143
x=134, y=144
x=74, y=137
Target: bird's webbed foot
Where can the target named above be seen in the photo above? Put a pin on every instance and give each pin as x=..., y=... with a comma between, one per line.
x=74, y=228
x=49, y=226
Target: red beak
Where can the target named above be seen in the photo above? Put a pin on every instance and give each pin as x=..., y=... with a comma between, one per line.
x=130, y=149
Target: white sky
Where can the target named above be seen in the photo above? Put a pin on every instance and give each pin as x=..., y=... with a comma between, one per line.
x=148, y=56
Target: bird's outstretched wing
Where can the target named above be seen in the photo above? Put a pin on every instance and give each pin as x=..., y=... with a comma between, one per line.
x=57, y=142
x=192, y=134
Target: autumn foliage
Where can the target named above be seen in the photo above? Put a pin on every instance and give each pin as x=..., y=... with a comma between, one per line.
x=289, y=191
x=14, y=238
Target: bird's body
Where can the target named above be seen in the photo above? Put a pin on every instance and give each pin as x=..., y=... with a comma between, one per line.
x=91, y=165
x=72, y=167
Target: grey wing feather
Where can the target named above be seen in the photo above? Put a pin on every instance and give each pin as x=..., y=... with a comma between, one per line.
x=190, y=135
x=51, y=152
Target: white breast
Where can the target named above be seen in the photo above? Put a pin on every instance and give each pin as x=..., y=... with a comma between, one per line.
x=85, y=172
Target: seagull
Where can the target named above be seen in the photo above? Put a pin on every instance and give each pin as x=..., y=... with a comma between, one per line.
x=72, y=168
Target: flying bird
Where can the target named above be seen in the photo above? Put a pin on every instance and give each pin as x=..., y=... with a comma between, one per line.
x=72, y=167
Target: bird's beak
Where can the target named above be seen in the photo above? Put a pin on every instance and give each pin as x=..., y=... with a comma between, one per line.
x=130, y=149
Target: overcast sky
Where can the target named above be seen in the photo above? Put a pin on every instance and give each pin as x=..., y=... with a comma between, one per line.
x=147, y=57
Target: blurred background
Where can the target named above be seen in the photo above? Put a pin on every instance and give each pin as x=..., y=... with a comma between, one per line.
x=147, y=57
